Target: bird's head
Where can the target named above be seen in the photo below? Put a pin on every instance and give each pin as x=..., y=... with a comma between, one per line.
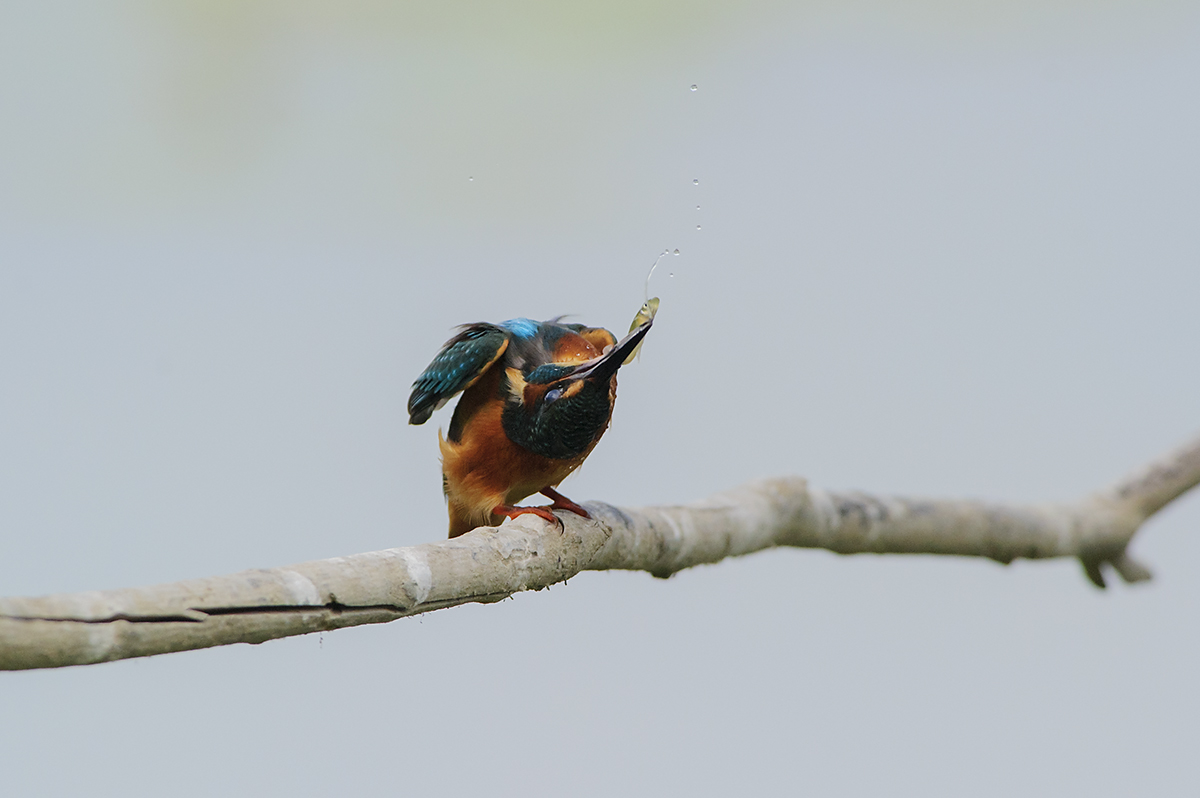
x=559, y=410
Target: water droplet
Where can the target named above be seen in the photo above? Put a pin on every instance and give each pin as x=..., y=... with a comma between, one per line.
x=697, y=227
x=676, y=252
x=471, y=179
x=672, y=274
x=696, y=182
x=697, y=207
x=694, y=87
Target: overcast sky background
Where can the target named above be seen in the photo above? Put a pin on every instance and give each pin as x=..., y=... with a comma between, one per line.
x=940, y=249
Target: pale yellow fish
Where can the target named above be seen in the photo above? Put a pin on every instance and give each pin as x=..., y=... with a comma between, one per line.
x=644, y=315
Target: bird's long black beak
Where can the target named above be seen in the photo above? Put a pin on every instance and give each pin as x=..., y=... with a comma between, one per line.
x=607, y=364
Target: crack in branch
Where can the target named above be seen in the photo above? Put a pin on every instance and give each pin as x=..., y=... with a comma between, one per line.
x=201, y=614
x=334, y=607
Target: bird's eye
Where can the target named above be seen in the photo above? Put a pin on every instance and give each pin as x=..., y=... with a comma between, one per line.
x=551, y=395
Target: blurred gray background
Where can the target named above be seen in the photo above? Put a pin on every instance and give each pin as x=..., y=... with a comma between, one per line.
x=946, y=249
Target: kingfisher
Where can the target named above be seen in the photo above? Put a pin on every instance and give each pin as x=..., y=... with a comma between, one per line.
x=536, y=398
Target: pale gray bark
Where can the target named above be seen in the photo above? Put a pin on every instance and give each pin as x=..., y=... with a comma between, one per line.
x=490, y=564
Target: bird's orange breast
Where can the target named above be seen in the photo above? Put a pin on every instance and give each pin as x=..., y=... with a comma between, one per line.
x=484, y=469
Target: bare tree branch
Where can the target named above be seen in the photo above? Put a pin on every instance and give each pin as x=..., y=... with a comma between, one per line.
x=490, y=564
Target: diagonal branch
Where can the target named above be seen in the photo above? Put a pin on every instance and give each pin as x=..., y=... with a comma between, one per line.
x=490, y=564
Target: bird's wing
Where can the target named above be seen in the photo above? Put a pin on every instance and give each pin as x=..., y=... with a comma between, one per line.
x=462, y=361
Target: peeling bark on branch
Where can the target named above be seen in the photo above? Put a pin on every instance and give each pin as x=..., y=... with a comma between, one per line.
x=490, y=564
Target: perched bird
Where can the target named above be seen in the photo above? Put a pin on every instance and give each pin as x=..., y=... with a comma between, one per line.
x=536, y=397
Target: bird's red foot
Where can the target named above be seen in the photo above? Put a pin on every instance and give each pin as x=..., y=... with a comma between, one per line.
x=508, y=511
x=561, y=502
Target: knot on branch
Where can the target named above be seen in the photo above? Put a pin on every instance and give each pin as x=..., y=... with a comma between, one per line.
x=1106, y=527
x=1126, y=567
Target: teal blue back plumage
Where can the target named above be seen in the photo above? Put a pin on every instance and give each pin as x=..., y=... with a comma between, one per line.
x=462, y=360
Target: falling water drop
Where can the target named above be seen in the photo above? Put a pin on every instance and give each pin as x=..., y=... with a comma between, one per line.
x=696, y=182
x=676, y=252
x=697, y=227
x=694, y=87
x=471, y=179
x=697, y=207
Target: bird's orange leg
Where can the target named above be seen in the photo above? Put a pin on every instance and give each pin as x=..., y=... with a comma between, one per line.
x=561, y=502
x=508, y=511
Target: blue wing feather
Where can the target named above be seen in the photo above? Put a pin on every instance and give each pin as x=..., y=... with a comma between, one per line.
x=462, y=361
